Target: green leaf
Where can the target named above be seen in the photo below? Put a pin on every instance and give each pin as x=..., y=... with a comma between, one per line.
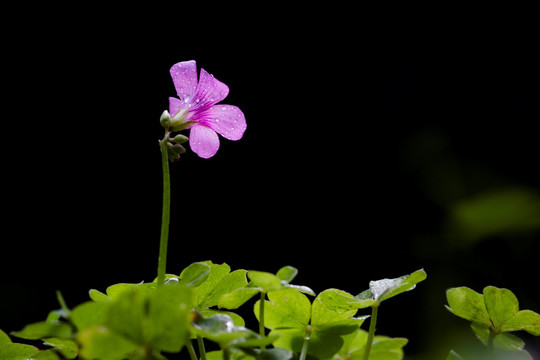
x=116, y=290
x=383, y=348
x=237, y=298
x=384, y=289
x=17, y=351
x=286, y=308
x=221, y=329
x=339, y=300
x=98, y=296
x=159, y=319
x=501, y=304
x=4, y=338
x=195, y=274
x=273, y=354
x=468, y=304
x=266, y=281
x=237, y=319
x=324, y=317
x=504, y=341
x=220, y=282
x=44, y=329
x=287, y=273
x=68, y=348
x=523, y=320
x=99, y=342
x=89, y=314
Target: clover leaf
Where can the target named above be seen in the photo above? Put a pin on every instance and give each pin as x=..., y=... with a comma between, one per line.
x=291, y=314
x=385, y=289
x=493, y=315
x=383, y=348
x=136, y=320
x=262, y=282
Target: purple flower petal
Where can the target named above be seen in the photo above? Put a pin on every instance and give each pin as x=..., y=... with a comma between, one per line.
x=227, y=120
x=174, y=105
x=203, y=141
x=209, y=91
x=184, y=76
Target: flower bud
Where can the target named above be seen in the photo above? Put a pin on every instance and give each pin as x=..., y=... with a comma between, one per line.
x=165, y=119
x=180, y=139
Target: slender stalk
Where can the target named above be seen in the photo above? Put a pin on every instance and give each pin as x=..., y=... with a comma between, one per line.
x=489, y=345
x=371, y=334
x=305, y=345
x=202, y=350
x=191, y=351
x=226, y=354
x=261, y=317
x=166, y=213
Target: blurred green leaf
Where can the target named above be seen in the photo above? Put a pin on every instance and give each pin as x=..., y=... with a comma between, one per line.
x=468, y=304
x=503, y=211
x=68, y=348
x=100, y=342
x=17, y=351
x=89, y=314
x=44, y=329
x=4, y=338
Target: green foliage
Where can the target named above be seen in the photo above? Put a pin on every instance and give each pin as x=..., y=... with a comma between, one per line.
x=384, y=348
x=262, y=282
x=291, y=316
x=493, y=315
x=378, y=291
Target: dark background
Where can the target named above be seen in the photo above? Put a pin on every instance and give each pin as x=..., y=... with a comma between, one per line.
x=370, y=133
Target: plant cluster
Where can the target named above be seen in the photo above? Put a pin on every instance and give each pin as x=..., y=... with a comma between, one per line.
x=174, y=313
x=146, y=320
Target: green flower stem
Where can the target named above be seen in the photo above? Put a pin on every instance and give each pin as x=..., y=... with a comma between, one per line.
x=166, y=213
x=305, y=345
x=202, y=350
x=191, y=350
x=371, y=334
x=489, y=344
x=226, y=354
x=261, y=317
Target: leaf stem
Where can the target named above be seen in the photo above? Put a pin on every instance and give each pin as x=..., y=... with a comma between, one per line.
x=202, y=350
x=261, y=317
x=371, y=334
x=305, y=345
x=166, y=213
x=191, y=351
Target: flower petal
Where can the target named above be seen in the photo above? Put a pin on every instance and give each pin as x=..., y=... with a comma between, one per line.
x=228, y=120
x=203, y=141
x=174, y=105
x=184, y=76
x=209, y=91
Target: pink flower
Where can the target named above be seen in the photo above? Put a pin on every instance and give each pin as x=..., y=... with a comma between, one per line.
x=198, y=106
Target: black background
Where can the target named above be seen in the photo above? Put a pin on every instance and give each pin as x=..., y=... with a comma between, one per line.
x=348, y=110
